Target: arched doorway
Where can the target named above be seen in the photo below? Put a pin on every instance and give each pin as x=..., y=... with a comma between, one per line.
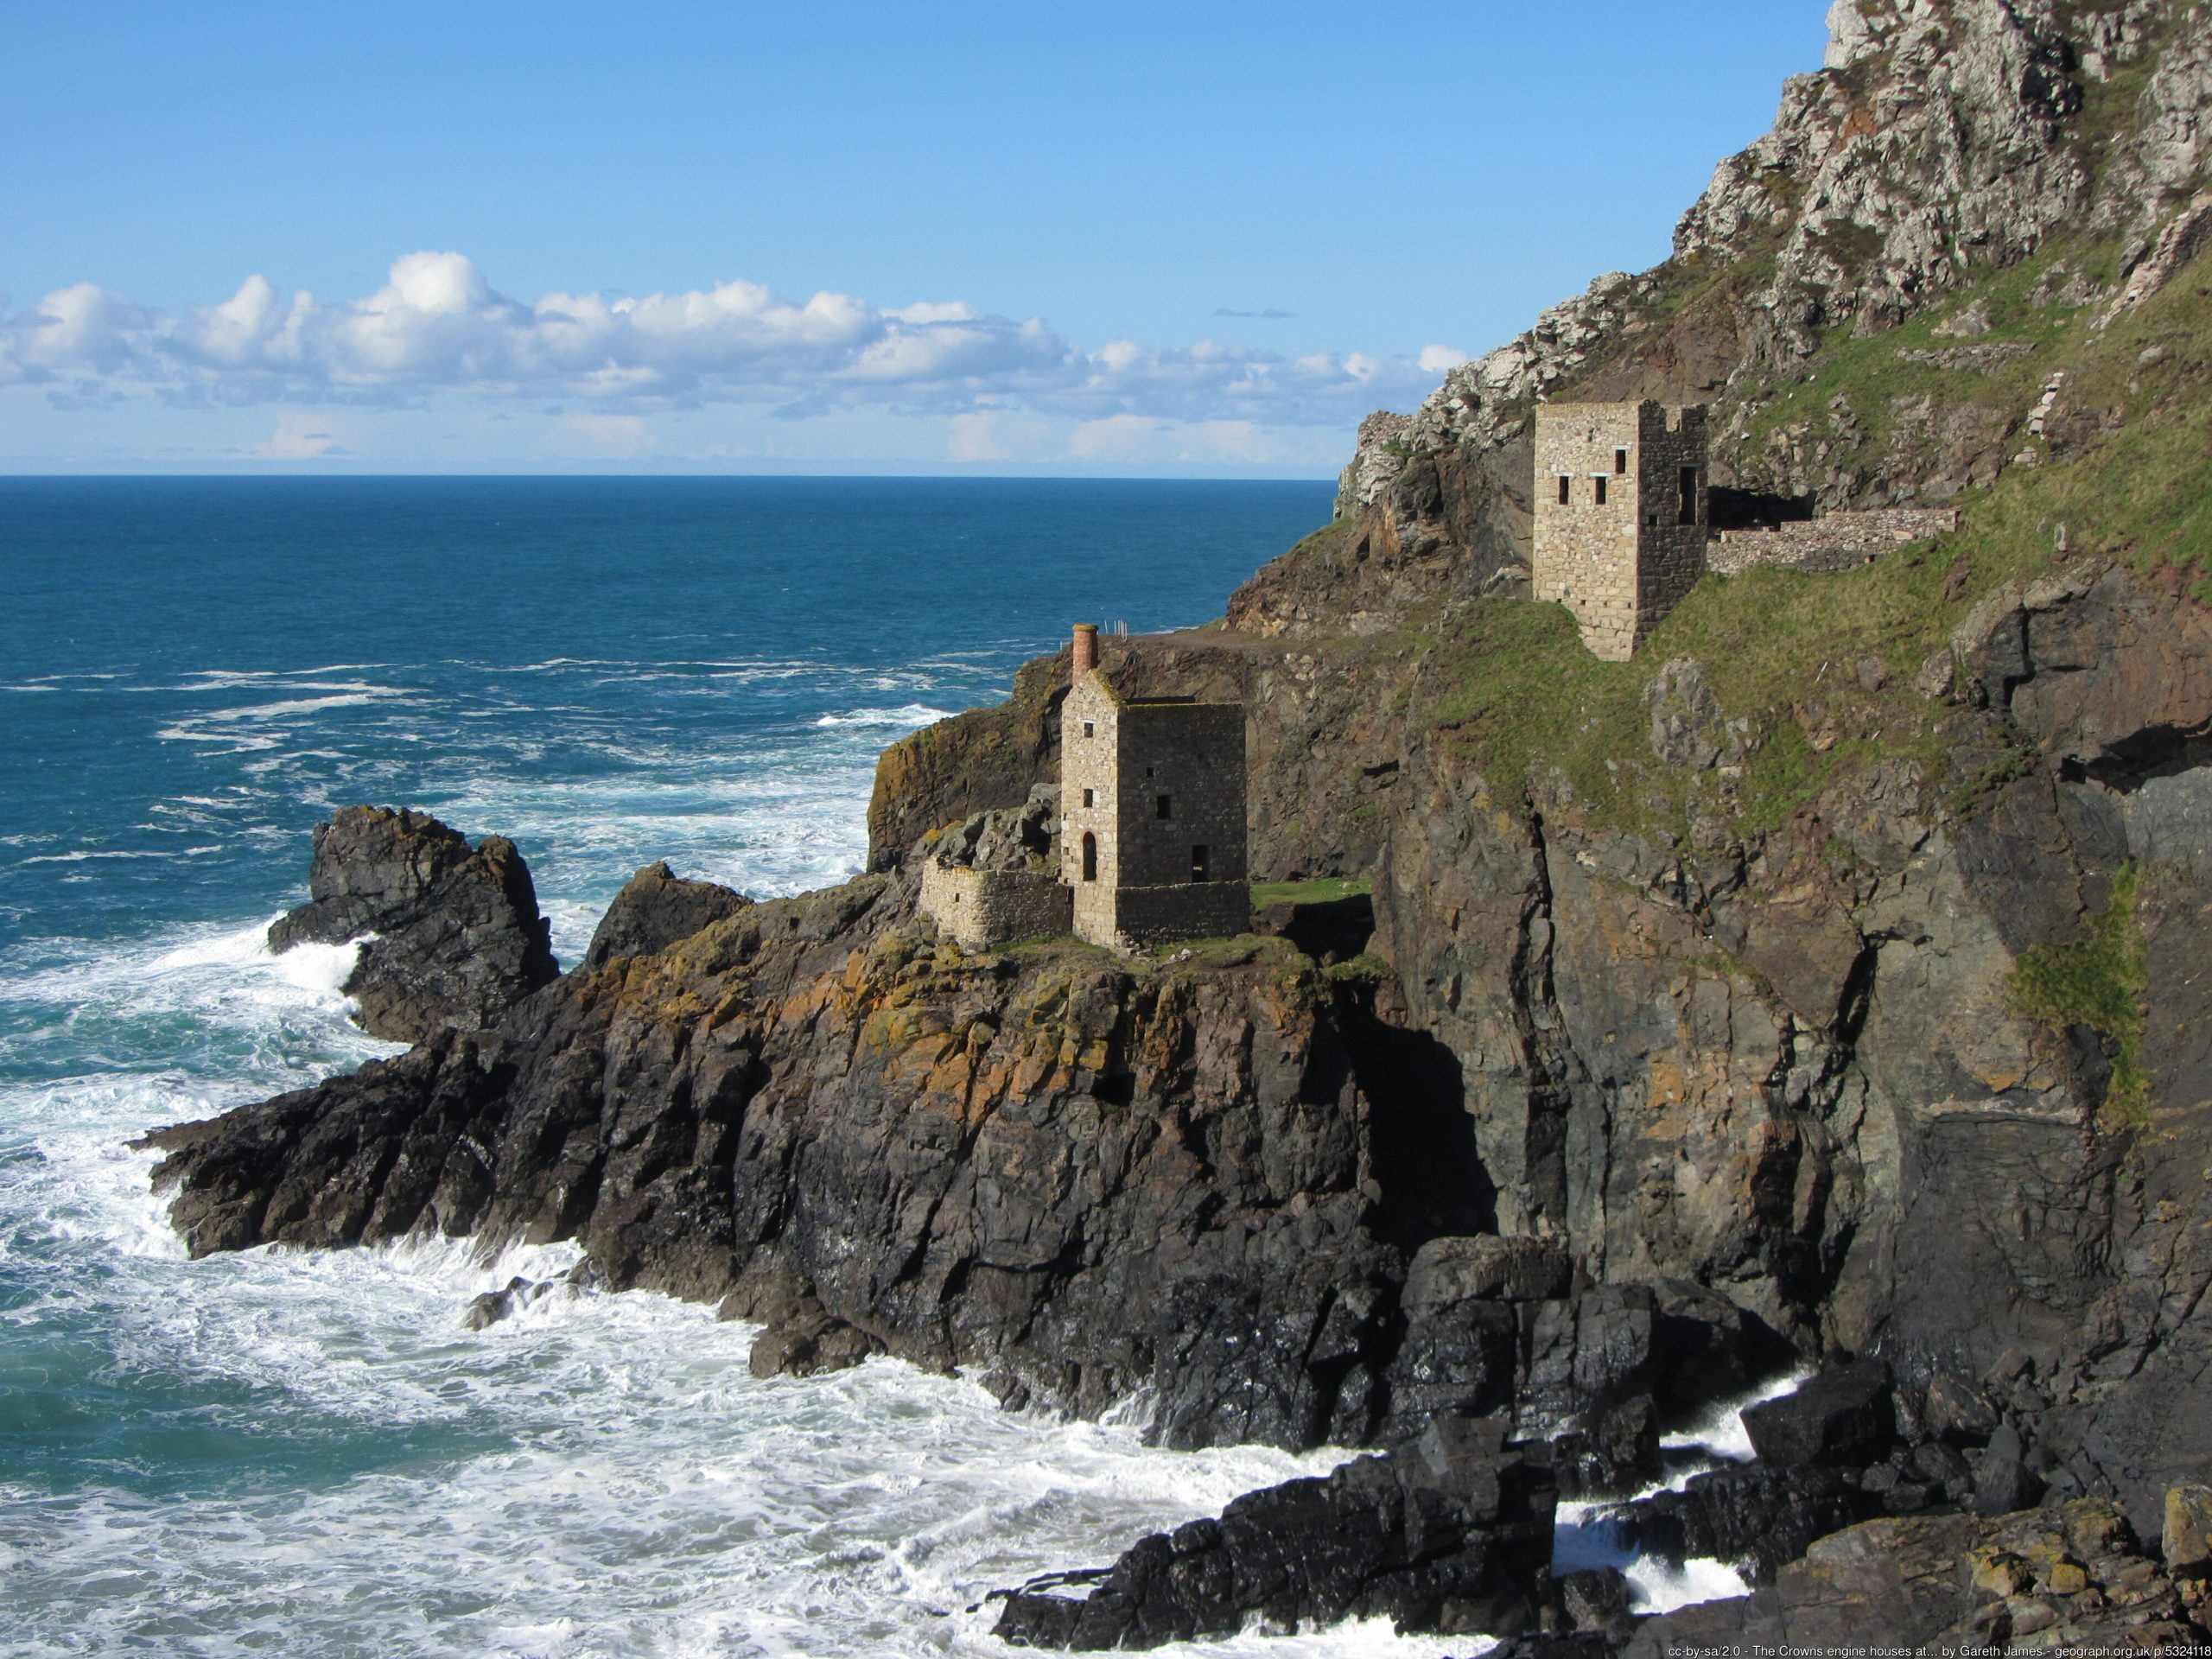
x=1090, y=856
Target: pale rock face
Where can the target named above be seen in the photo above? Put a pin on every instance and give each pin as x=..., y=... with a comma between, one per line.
x=1938, y=139
x=1374, y=462
x=1851, y=36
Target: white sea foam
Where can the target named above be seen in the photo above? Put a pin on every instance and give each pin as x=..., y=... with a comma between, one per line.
x=908, y=714
x=1585, y=1535
x=1720, y=1433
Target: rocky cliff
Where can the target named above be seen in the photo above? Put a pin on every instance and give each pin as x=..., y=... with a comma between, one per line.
x=1829, y=980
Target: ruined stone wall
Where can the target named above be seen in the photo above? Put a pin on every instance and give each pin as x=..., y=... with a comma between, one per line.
x=982, y=909
x=1834, y=541
x=1615, y=484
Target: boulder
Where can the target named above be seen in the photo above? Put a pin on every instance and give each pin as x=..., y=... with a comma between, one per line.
x=1486, y=1269
x=806, y=1339
x=1957, y=1412
x=451, y=934
x=2002, y=1482
x=1842, y=1418
x=655, y=909
x=1450, y=1533
x=1585, y=1353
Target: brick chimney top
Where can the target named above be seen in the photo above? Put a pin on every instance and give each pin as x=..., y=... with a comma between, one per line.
x=1085, y=652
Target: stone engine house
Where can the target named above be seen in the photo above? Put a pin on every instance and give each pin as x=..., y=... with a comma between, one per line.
x=1152, y=812
x=1152, y=828
x=1621, y=515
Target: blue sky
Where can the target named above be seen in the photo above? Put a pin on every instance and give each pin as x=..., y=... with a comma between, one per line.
x=1146, y=239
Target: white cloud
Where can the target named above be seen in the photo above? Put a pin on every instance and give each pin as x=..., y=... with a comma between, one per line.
x=437, y=326
x=1440, y=360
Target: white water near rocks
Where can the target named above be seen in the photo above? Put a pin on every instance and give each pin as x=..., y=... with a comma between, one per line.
x=1586, y=1537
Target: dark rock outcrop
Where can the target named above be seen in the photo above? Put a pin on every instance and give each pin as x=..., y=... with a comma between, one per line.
x=1452, y=1533
x=1080, y=1175
x=655, y=909
x=457, y=938
x=1762, y=1517
x=1841, y=1418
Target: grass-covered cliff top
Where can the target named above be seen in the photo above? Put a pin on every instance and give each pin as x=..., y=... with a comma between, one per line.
x=1820, y=669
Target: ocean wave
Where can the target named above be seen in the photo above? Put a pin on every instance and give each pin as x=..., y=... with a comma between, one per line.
x=909, y=715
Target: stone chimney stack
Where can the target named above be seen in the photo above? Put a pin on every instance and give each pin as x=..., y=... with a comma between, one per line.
x=1086, y=651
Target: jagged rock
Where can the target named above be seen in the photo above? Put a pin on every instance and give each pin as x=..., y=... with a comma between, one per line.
x=1618, y=1452
x=1486, y=1269
x=655, y=910
x=1757, y=1516
x=1447, y=1535
x=804, y=1339
x=1587, y=1353
x=1841, y=1418
x=457, y=937
x=1378, y=453
x=1958, y=1412
x=1597, y=1600
x=1032, y=1152
x=1687, y=727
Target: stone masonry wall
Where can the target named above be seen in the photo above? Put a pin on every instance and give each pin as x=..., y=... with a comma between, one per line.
x=1190, y=756
x=1584, y=555
x=1147, y=784
x=1610, y=540
x=1670, y=555
x=984, y=909
x=1090, y=736
x=1834, y=541
x=1192, y=910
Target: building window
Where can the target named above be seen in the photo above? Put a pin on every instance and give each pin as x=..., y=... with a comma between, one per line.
x=1090, y=856
x=1598, y=483
x=1089, y=798
x=1162, y=807
x=1688, y=515
x=1086, y=729
x=1199, y=863
x=1651, y=521
x=1566, y=489
x=1620, y=461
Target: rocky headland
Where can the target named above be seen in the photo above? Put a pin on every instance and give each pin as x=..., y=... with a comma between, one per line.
x=1824, y=990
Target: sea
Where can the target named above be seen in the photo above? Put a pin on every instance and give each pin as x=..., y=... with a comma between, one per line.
x=306, y=1454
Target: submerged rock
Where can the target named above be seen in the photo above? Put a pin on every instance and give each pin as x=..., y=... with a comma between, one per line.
x=451, y=935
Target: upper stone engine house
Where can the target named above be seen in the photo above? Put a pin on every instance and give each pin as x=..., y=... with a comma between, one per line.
x=1621, y=515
